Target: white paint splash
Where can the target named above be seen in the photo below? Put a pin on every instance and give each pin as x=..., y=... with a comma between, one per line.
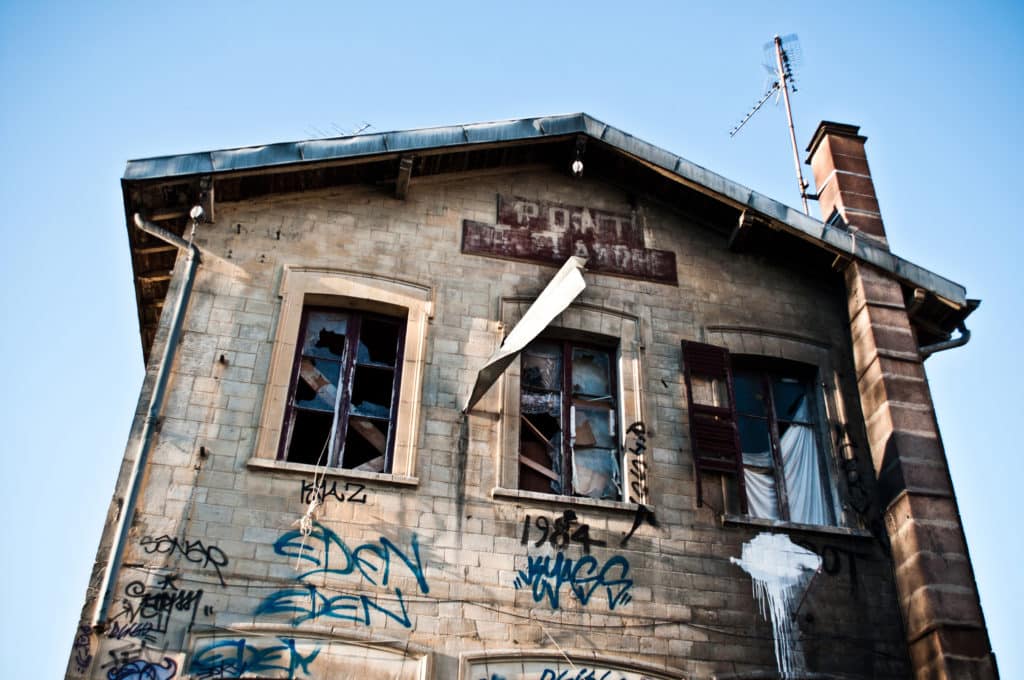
x=779, y=570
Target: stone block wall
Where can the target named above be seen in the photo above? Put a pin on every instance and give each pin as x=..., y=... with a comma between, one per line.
x=427, y=575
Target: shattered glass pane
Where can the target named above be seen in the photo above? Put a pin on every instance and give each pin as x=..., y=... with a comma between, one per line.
x=556, y=463
x=317, y=386
x=371, y=392
x=309, y=437
x=365, y=444
x=595, y=473
x=549, y=403
x=542, y=366
x=325, y=334
x=378, y=342
x=595, y=427
x=590, y=373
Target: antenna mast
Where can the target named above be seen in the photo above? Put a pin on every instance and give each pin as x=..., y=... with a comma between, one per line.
x=785, y=68
x=785, y=53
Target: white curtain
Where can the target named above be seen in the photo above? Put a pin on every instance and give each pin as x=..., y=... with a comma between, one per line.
x=801, y=470
x=762, y=501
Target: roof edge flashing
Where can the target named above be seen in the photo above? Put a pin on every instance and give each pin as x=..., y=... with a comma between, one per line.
x=250, y=158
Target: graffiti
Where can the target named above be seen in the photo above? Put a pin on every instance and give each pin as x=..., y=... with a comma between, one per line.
x=353, y=492
x=309, y=603
x=638, y=485
x=584, y=577
x=642, y=514
x=329, y=554
x=236, y=658
x=560, y=532
x=580, y=674
x=552, y=670
x=637, y=463
x=193, y=551
x=138, y=630
x=82, y=649
x=832, y=557
x=129, y=663
x=140, y=669
x=154, y=606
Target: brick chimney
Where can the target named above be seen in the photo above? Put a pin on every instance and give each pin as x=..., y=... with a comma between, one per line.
x=945, y=629
x=843, y=178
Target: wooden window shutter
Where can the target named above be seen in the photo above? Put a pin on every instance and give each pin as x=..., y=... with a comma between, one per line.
x=711, y=404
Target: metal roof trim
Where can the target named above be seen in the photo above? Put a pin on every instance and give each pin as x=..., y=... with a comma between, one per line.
x=788, y=218
x=169, y=166
x=255, y=157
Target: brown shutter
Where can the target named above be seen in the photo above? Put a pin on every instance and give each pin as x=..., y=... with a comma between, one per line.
x=714, y=435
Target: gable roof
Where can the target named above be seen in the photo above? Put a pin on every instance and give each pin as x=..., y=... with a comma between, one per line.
x=164, y=188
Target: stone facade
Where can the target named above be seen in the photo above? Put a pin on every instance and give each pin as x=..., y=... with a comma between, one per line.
x=424, y=572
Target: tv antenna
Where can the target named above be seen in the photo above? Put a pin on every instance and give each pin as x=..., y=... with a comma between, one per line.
x=782, y=55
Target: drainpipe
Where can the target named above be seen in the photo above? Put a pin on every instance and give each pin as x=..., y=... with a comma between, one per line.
x=965, y=336
x=156, y=401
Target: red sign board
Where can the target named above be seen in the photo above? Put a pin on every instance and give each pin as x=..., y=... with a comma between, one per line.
x=546, y=232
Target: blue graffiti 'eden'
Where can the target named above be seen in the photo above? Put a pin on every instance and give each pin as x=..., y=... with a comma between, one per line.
x=236, y=658
x=328, y=553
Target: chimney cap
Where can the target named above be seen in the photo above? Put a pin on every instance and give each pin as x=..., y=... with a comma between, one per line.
x=828, y=127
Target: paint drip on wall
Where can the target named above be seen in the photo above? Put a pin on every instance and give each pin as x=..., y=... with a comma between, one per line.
x=780, y=570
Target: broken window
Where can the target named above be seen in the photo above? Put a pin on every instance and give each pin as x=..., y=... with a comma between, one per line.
x=344, y=395
x=568, y=441
x=757, y=421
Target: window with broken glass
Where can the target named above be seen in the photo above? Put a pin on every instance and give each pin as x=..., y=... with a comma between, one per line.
x=344, y=390
x=568, y=443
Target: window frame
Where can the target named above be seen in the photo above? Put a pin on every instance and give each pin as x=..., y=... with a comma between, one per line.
x=356, y=291
x=768, y=371
x=585, y=322
x=349, y=362
x=568, y=402
x=830, y=401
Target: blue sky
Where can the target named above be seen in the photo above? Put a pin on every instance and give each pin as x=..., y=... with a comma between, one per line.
x=937, y=89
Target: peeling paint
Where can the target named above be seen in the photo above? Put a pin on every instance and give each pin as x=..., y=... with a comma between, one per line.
x=780, y=570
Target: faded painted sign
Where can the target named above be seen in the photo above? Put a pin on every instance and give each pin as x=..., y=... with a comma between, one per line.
x=542, y=231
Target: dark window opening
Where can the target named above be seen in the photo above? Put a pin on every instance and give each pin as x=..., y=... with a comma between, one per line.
x=568, y=437
x=343, y=403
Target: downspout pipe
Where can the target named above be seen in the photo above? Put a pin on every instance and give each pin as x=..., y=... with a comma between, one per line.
x=156, y=402
x=965, y=336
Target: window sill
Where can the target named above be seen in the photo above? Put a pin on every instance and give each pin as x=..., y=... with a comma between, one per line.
x=305, y=469
x=741, y=520
x=500, y=493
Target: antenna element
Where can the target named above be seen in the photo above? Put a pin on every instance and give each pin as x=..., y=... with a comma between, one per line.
x=784, y=55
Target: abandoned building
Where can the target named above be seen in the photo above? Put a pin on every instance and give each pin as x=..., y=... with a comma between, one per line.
x=527, y=400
